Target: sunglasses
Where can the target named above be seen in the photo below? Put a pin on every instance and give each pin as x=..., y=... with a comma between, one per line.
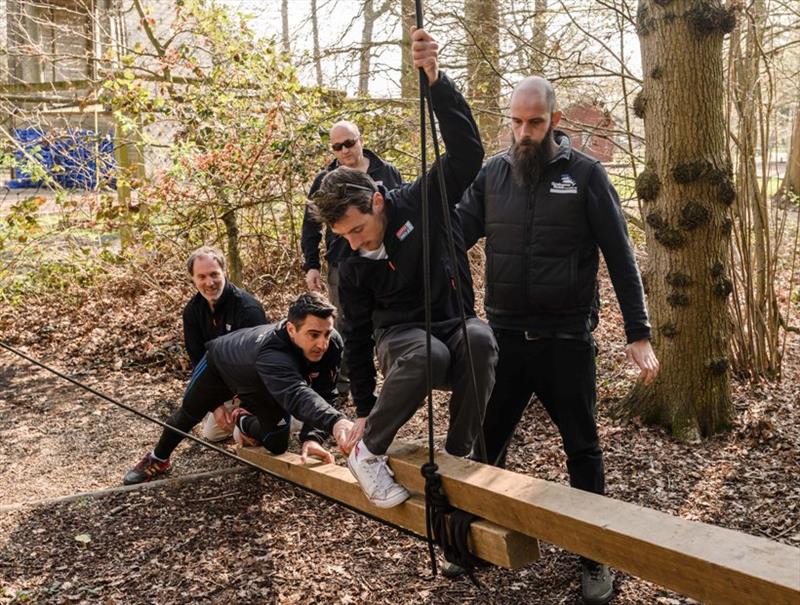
x=347, y=143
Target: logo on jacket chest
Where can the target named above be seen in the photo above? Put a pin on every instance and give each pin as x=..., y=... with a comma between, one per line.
x=404, y=231
x=566, y=185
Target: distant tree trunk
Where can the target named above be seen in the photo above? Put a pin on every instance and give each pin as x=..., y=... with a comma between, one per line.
x=791, y=180
x=232, y=236
x=285, y=26
x=371, y=14
x=315, y=35
x=483, y=51
x=686, y=190
x=539, y=40
x=364, y=53
x=408, y=75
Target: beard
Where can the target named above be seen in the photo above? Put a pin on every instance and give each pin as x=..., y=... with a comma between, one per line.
x=529, y=159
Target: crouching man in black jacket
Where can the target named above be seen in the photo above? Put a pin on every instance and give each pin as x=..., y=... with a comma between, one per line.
x=218, y=308
x=381, y=293
x=278, y=371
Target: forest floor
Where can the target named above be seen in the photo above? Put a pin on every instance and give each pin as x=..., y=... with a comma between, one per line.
x=245, y=537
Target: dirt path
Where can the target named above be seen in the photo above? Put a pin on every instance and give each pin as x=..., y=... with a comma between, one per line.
x=252, y=539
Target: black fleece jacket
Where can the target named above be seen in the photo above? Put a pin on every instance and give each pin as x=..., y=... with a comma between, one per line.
x=377, y=294
x=251, y=360
x=235, y=309
x=542, y=245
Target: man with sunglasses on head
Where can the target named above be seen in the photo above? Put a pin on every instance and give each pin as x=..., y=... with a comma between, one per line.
x=348, y=149
x=382, y=286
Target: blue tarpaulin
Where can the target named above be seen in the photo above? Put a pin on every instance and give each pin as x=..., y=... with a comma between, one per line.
x=72, y=157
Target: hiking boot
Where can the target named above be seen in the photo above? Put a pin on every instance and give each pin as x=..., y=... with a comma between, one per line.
x=241, y=438
x=597, y=583
x=451, y=570
x=148, y=469
x=375, y=478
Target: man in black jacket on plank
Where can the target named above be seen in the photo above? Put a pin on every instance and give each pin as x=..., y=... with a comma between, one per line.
x=381, y=292
x=278, y=371
x=218, y=308
x=545, y=209
x=348, y=148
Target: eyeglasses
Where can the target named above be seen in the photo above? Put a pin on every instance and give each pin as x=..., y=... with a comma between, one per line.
x=347, y=143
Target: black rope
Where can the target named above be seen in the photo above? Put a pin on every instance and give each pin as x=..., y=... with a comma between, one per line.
x=430, y=509
x=444, y=525
x=206, y=444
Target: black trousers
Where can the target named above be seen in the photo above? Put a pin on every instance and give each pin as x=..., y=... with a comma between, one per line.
x=205, y=392
x=561, y=373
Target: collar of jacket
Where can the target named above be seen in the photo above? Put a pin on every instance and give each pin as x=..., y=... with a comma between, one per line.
x=375, y=162
x=564, y=150
x=282, y=334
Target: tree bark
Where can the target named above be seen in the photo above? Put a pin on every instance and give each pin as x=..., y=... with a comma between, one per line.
x=234, y=257
x=315, y=36
x=483, y=52
x=285, y=26
x=408, y=75
x=687, y=190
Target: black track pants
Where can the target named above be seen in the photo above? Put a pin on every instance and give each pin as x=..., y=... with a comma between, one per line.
x=205, y=392
x=561, y=373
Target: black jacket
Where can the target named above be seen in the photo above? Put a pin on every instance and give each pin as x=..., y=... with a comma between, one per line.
x=235, y=309
x=264, y=357
x=377, y=294
x=542, y=246
x=381, y=172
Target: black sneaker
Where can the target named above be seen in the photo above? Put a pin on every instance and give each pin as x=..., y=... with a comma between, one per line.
x=148, y=469
x=597, y=583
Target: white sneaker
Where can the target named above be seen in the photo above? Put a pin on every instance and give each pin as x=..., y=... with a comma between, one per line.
x=375, y=478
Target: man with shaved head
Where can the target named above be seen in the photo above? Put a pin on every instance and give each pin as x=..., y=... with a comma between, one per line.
x=348, y=149
x=546, y=211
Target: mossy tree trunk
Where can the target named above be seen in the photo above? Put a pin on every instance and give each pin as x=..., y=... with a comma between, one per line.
x=686, y=190
x=482, y=22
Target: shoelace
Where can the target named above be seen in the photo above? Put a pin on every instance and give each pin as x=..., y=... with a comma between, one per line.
x=376, y=464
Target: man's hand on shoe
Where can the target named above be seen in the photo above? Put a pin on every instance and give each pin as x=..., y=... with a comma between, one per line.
x=314, y=281
x=312, y=448
x=355, y=435
x=341, y=430
x=223, y=417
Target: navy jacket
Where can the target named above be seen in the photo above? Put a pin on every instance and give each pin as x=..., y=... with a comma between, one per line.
x=377, y=294
x=542, y=245
x=264, y=358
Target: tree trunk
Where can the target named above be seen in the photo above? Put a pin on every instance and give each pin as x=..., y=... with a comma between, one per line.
x=409, y=80
x=285, y=26
x=234, y=257
x=483, y=52
x=539, y=41
x=791, y=180
x=686, y=190
x=315, y=36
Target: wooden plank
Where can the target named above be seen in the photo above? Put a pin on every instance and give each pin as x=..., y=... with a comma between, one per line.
x=488, y=541
x=708, y=563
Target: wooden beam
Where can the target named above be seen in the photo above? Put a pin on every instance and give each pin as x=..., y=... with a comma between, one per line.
x=488, y=541
x=708, y=563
